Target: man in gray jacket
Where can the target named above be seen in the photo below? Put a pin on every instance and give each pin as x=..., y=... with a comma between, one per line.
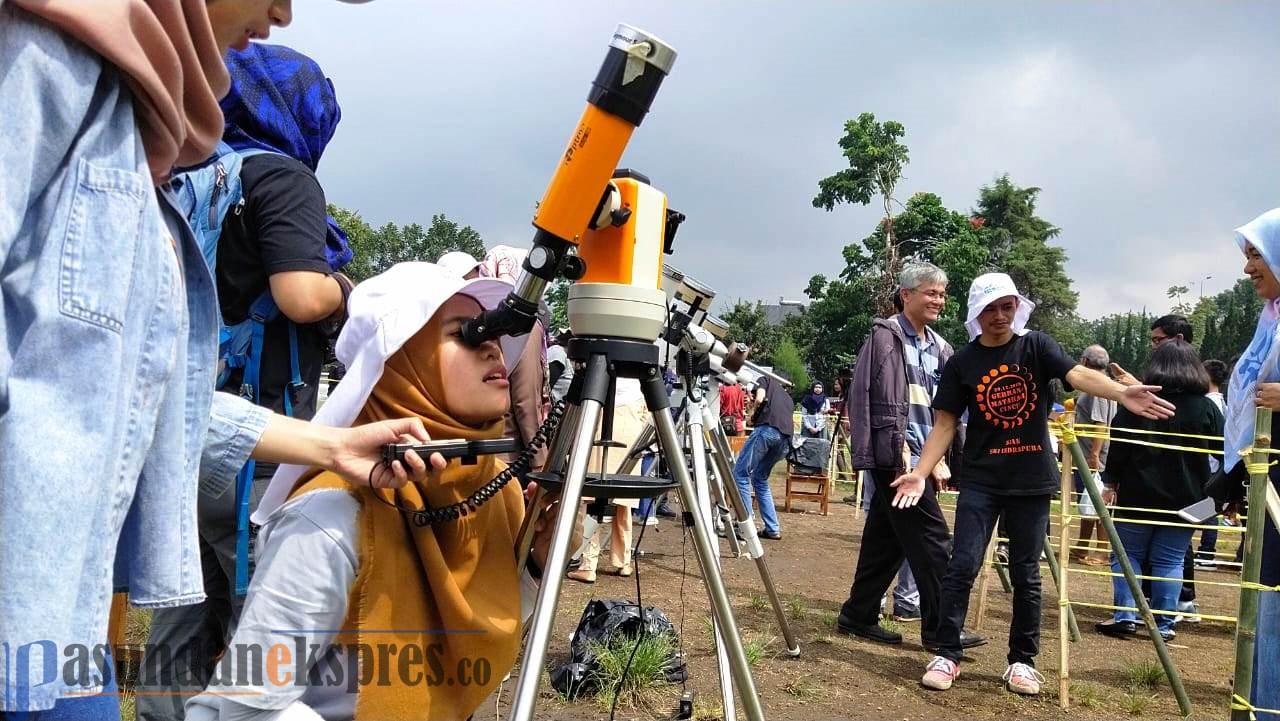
x=889, y=416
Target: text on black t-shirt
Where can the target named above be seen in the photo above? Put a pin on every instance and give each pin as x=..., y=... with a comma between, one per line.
x=1005, y=390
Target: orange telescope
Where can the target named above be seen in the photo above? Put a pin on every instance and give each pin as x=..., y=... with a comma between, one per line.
x=624, y=88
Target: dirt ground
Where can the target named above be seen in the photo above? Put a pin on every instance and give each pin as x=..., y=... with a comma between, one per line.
x=842, y=677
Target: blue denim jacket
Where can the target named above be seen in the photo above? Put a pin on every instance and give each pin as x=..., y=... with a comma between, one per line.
x=108, y=318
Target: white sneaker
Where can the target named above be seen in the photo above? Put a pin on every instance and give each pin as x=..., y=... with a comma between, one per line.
x=939, y=674
x=1188, y=612
x=1023, y=679
x=651, y=521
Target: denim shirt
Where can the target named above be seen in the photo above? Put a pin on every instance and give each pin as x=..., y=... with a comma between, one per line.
x=108, y=317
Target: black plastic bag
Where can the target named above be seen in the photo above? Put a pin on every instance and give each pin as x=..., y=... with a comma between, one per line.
x=603, y=622
x=810, y=458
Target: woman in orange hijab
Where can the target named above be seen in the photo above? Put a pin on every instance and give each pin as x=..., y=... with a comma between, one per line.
x=381, y=618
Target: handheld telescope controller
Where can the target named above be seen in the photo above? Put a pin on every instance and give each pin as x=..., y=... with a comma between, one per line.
x=581, y=195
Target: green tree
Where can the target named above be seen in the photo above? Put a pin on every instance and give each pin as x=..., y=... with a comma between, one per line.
x=558, y=303
x=876, y=159
x=748, y=324
x=842, y=309
x=788, y=363
x=1018, y=241
x=376, y=250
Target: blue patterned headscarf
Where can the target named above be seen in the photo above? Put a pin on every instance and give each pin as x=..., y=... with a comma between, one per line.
x=282, y=102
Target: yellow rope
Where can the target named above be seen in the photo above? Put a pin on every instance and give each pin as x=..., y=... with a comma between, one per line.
x=1109, y=607
x=1240, y=703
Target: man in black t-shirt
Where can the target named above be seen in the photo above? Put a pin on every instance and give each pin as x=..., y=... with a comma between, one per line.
x=770, y=439
x=1001, y=379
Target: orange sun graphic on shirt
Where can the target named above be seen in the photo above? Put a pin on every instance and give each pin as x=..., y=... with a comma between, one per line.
x=1007, y=396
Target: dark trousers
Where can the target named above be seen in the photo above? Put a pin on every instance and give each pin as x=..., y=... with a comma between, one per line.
x=1026, y=520
x=918, y=534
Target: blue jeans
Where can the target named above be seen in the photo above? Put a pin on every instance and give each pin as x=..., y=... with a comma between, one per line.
x=1162, y=550
x=762, y=451
x=99, y=707
x=1266, y=654
x=1026, y=519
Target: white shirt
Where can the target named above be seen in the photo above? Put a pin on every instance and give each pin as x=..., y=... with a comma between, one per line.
x=306, y=563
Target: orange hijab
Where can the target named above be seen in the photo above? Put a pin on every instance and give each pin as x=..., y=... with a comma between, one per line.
x=458, y=576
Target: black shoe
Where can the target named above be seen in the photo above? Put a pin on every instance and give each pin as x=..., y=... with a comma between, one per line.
x=771, y=535
x=665, y=511
x=967, y=640
x=1116, y=629
x=851, y=500
x=875, y=633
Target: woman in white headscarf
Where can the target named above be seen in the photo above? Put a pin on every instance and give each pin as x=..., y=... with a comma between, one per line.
x=1255, y=382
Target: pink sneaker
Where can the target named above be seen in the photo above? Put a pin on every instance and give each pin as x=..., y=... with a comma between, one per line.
x=1023, y=679
x=939, y=674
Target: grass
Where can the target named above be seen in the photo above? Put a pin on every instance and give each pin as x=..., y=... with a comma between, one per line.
x=707, y=710
x=1136, y=702
x=758, y=602
x=646, y=677
x=1144, y=673
x=828, y=619
x=888, y=624
x=1087, y=695
x=755, y=649
x=825, y=639
x=796, y=608
x=803, y=689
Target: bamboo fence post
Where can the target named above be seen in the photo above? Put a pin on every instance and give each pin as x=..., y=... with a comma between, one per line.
x=1064, y=601
x=983, y=581
x=1135, y=586
x=1251, y=569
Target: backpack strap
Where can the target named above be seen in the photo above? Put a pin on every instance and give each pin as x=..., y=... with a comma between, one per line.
x=263, y=311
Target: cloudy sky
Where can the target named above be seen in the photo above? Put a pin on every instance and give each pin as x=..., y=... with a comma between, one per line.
x=1151, y=127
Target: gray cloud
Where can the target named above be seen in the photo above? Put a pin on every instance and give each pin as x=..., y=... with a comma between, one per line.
x=1150, y=126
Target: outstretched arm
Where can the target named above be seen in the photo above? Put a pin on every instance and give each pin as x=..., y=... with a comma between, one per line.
x=1141, y=400
x=911, y=485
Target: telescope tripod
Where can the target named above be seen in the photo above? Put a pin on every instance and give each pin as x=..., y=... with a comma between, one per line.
x=600, y=362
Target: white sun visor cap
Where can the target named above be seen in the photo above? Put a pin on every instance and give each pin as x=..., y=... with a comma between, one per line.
x=991, y=287
x=458, y=262
x=383, y=313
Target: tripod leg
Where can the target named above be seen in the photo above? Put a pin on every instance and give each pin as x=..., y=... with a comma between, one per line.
x=637, y=449
x=656, y=397
x=723, y=517
x=703, y=492
x=544, y=611
x=721, y=455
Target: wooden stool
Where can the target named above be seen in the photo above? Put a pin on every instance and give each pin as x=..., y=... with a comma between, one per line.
x=798, y=492
x=736, y=443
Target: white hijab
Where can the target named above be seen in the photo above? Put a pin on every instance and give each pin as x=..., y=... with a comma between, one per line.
x=383, y=313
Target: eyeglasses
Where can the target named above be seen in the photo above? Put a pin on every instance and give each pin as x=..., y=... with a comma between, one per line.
x=931, y=294
x=1157, y=339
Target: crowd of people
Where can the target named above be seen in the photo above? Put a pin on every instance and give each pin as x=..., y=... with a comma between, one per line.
x=120, y=278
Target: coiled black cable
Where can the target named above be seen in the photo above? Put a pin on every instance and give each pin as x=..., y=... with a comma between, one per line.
x=452, y=512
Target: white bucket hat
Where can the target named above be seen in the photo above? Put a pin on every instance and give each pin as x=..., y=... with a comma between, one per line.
x=383, y=313
x=990, y=287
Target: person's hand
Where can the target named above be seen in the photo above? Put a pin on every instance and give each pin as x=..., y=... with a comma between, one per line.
x=544, y=527
x=357, y=454
x=1108, y=496
x=941, y=474
x=1268, y=396
x=1143, y=401
x=1122, y=376
x=910, y=488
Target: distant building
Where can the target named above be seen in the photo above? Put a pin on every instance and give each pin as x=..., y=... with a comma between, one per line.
x=774, y=314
